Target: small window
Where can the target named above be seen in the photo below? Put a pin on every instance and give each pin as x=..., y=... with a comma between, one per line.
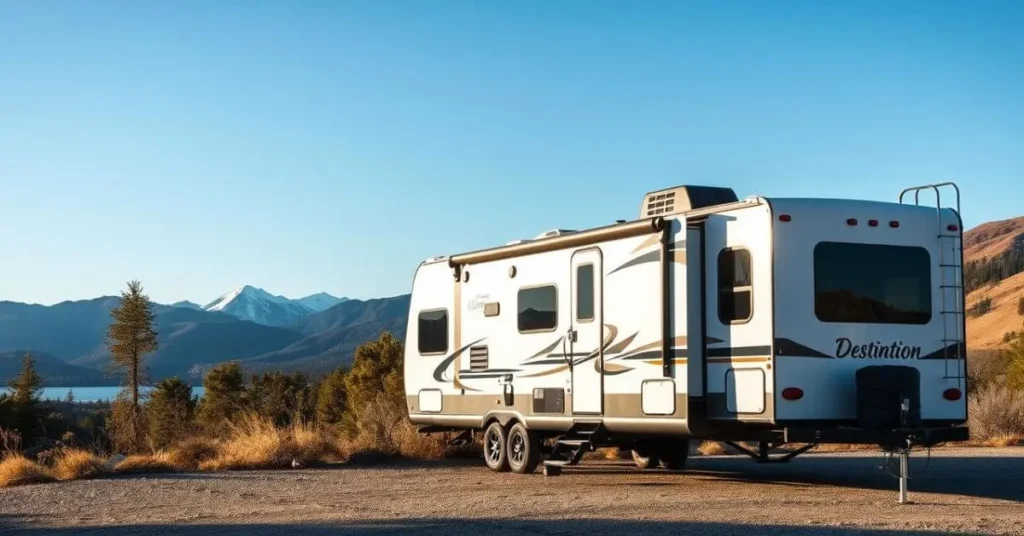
x=433, y=332
x=585, y=292
x=735, y=286
x=538, y=309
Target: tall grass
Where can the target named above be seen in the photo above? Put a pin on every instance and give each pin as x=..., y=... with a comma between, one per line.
x=17, y=470
x=996, y=414
x=77, y=464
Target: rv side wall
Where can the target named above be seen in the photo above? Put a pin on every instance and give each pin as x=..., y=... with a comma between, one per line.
x=507, y=352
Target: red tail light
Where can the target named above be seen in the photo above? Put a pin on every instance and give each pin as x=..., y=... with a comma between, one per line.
x=894, y=224
x=952, y=227
x=952, y=393
x=784, y=217
x=851, y=221
x=792, y=393
x=873, y=223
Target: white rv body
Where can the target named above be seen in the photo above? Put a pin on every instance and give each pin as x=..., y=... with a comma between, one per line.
x=710, y=322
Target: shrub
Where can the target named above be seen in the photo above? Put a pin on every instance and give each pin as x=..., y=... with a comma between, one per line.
x=223, y=398
x=711, y=448
x=984, y=367
x=17, y=470
x=1015, y=369
x=375, y=377
x=77, y=464
x=1020, y=306
x=145, y=463
x=171, y=412
x=331, y=398
x=125, y=422
x=996, y=411
x=189, y=454
x=282, y=398
x=983, y=306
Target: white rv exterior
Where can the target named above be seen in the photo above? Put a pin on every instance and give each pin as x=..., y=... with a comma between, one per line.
x=708, y=317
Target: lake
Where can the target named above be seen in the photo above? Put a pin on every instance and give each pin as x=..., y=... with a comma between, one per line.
x=93, y=394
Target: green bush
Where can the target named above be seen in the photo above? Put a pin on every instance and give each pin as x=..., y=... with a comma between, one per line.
x=171, y=412
x=223, y=397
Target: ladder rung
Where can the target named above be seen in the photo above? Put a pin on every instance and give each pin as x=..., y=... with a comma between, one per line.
x=950, y=266
x=952, y=340
x=951, y=286
x=951, y=312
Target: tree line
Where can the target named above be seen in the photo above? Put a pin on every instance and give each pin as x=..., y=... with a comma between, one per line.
x=989, y=271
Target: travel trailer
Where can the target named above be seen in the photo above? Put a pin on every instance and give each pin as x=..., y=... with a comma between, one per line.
x=764, y=320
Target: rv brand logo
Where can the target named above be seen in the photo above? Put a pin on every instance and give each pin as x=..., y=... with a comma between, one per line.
x=478, y=302
x=876, y=350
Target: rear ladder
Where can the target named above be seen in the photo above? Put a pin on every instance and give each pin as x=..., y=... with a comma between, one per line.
x=951, y=268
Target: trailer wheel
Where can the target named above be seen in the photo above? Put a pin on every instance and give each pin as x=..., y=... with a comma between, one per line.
x=673, y=454
x=495, y=455
x=644, y=461
x=523, y=449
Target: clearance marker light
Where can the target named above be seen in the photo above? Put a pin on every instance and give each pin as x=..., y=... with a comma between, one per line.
x=872, y=223
x=792, y=393
x=851, y=221
x=784, y=217
x=952, y=227
x=894, y=224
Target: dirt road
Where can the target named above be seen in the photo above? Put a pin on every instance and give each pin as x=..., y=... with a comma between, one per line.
x=968, y=491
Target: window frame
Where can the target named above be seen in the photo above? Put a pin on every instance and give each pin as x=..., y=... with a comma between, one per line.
x=732, y=289
x=419, y=332
x=519, y=292
x=928, y=274
x=593, y=294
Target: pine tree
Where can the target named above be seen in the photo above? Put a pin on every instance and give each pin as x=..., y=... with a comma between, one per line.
x=280, y=397
x=223, y=397
x=26, y=389
x=27, y=386
x=170, y=412
x=374, y=384
x=331, y=398
x=130, y=337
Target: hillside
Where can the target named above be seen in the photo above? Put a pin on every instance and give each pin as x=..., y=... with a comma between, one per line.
x=55, y=373
x=989, y=240
x=994, y=268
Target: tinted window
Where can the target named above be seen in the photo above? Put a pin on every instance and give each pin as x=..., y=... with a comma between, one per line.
x=585, y=292
x=872, y=284
x=538, y=308
x=433, y=331
x=735, y=290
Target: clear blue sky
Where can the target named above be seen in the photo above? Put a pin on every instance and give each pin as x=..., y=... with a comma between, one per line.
x=308, y=146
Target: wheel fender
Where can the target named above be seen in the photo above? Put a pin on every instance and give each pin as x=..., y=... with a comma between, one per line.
x=505, y=417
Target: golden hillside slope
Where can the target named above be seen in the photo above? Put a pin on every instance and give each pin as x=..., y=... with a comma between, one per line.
x=992, y=238
x=986, y=331
x=988, y=241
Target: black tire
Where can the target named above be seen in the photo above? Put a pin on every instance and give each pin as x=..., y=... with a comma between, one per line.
x=495, y=450
x=644, y=460
x=673, y=455
x=523, y=449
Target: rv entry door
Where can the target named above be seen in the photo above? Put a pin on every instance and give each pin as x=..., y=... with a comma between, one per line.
x=586, y=331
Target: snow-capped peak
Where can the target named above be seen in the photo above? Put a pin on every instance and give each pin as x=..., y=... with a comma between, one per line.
x=255, y=304
x=320, y=301
x=247, y=291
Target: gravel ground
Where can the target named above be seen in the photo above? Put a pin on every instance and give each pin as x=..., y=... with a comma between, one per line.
x=955, y=491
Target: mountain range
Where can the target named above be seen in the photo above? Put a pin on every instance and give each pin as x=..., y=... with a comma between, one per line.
x=314, y=334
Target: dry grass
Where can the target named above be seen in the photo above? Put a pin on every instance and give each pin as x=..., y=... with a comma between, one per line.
x=711, y=448
x=996, y=411
x=78, y=464
x=17, y=470
x=255, y=443
x=190, y=453
x=144, y=463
